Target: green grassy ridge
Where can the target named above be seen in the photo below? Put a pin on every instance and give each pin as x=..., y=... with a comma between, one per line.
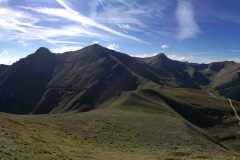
x=217, y=108
x=195, y=105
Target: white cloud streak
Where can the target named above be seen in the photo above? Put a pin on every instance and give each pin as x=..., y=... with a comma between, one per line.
x=95, y=42
x=113, y=46
x=134, y=13
x=64, y=48
x=165, y=46
x=181, y=58
x=101, y=2
x=188, y=28
x=145, y=55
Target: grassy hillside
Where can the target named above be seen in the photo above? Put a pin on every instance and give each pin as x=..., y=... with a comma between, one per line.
x=144, y=124
x=104, y=134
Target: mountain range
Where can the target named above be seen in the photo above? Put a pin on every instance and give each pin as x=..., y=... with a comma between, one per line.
x=81, y=80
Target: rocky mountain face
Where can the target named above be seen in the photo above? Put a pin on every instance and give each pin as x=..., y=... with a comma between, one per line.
x=44, y=82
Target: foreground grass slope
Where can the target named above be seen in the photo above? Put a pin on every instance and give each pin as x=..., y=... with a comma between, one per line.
x=143, y=124
x=104, y=134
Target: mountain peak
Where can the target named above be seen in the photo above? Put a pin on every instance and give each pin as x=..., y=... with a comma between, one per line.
x=95, y=45
x=42, y=50
x=162, y=56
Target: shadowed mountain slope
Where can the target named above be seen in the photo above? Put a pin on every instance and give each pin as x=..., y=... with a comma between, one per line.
x=84, y=79
x=77, y=80
x=184, y=74
x=3, y=68
x=23, y=83
x=45, y=82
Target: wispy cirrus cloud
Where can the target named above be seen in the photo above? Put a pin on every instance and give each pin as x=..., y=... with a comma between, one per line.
x=22, y=27
x=101, y=2
x=16, y=23
x=28, y=23
x=188, y=27
x=61, y=22
x=68, y=13
x=134, y=13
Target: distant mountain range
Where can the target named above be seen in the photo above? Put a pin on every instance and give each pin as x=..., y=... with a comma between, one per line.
x=45, y=82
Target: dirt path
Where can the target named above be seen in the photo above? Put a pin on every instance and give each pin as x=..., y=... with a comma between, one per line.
x=211, y=94
x=235, y=111
x=230, y=101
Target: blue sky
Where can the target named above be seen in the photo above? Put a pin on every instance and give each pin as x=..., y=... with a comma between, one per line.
x=188, y=30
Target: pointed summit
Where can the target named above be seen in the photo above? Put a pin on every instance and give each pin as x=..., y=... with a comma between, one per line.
x=43, y=50
x=95, y=47
x=163, y=57
x=92, y=52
